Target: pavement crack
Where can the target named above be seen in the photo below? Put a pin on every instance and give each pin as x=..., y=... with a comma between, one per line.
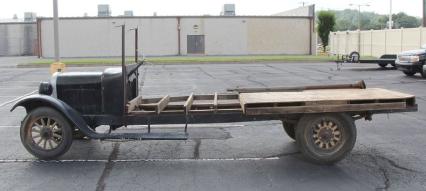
x=248, y=78
x=100, y=186
x=387, y=182
x=283, y=154
x=197, y=148
x=394, y=164
x=206, y=73
x=377, y=161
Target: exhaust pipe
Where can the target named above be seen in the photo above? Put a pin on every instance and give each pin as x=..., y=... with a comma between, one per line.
x=358, y=85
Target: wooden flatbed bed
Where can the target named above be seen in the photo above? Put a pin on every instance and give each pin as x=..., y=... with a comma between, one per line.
x=373, y=100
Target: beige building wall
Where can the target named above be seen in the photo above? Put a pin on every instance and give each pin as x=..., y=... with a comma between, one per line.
x=278, y=36
x=102, y=38
x=159, y=36
x=377, y=42
x=18, y=39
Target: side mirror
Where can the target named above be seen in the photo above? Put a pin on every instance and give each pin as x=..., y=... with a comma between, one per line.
x=424, y=69
x=423, y=46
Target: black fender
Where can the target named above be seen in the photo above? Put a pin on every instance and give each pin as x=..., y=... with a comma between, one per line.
x=34, y=101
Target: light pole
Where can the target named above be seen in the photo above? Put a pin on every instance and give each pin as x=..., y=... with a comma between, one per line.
x=359, y=12
x=390, y=14
x=57, y=66
x=359, y=22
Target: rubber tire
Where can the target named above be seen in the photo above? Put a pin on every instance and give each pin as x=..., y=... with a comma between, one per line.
x=27, y=141
x=383, y=65
x=309, y=150
x=409, y=73
x=290, y=130
x=423, y=74
x=354, y=57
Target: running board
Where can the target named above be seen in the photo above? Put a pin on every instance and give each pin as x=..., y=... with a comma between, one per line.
x=147, y=136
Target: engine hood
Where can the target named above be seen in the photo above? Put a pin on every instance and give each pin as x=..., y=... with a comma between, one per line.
x=413, y=52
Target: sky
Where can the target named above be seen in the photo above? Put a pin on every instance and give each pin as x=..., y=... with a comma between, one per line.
x=68, y=8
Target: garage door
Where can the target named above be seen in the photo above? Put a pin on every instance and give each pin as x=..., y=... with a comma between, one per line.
x=195, y=44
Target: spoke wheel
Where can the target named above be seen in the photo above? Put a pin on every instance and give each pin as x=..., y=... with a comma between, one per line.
x=45, y=133
x=325, y=138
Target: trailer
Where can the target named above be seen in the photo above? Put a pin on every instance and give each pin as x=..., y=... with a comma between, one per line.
x=319, y=118
x=355, y=57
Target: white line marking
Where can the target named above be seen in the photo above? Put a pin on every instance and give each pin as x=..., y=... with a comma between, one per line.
x=16, y=99
x=134, y=160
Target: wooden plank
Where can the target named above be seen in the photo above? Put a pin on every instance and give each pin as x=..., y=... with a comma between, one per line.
x=325, y=108
x=322, y=95
x=215, y=102
x=150, y=100
x=133, y=104
x=162, y=104
x=142, y=112
x=188, y=103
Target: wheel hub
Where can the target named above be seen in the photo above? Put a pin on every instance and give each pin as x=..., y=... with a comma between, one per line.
x=46, y=133
x=326, y=135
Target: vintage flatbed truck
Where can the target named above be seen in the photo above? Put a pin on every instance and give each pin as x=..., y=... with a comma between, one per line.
x=319, y=118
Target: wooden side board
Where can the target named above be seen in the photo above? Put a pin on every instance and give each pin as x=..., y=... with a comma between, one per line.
x=210, y=103
x=325, y=108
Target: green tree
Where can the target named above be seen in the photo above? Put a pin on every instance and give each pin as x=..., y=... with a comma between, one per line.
x=403, y=20
x=326, y=22
x=348, y=20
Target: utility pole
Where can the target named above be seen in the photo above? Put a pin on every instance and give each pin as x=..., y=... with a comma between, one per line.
x=303, y=3
x=57, y=66
x=359, y=22
x=424, y=13
x=390, y=14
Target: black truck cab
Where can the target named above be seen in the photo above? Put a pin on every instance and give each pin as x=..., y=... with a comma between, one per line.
x=94, y=94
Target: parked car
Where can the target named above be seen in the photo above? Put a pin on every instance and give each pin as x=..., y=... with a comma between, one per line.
x=412, y=62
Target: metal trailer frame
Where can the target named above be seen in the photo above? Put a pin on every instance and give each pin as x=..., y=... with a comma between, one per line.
x=354, y=57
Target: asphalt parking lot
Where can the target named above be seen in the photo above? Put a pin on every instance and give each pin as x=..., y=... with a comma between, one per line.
x=389, y=154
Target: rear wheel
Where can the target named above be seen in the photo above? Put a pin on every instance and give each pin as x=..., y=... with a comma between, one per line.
x=289, y=129
x=45, y=133
x=409, y=73
x=383, y=64
x=325, y=138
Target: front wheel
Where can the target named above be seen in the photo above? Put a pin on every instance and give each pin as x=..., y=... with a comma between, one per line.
x=325, y=138
x=409, y=73
x=46, y=134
